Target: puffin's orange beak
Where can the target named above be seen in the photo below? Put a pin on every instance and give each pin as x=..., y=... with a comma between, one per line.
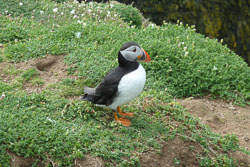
x=144, y=57
x=147, y=56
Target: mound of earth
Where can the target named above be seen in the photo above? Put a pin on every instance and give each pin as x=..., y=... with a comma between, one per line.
x=224, y=118
x=51, y=69
x=174, y=153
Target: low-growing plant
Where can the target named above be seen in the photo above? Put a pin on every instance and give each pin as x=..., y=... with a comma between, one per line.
x=128, y=13
x=12, y=33
x=37, y=81
x=1, y=59
x=71, y=129
x=30, y=74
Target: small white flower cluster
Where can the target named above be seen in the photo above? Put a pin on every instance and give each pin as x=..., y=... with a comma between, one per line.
x=152, y=25
x=55, y=10
x=72, y=12
x=2, y=96
x=184, y=48
x=83, y=11
x=180, y=43
x=78, y=35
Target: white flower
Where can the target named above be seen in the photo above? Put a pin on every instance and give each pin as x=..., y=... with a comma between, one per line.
x=152, y=25
x=185, y=48
x=89, y=10
x=41, y=12
x=215, y=68
x=84, y=24
x=75, y=16
x=111, y=5
x=61, y=13
x=72, y=12
x=82, y=14
x=186, y=53
x=79, y=21
x=78, y=34
x=55, y=10
x=21, y=4
x=3, y=95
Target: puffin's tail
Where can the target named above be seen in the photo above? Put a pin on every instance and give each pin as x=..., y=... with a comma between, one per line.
x=90, y=95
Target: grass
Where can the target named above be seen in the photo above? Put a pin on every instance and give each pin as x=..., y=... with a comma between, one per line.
x=48, y=125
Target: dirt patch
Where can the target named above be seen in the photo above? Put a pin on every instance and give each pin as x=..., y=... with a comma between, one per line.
x=55, y=71
x=174, y=153
x=20, y=161
x=90, y=161
x=52, y=69
x=224, y=118
x=3, y=72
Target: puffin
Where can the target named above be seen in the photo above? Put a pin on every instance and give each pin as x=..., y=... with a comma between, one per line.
x=122, y=84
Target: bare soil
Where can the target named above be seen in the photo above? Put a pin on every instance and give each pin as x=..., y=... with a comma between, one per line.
x=52, y=69
x=224, y=118
x=174, y=153
x=90, y=161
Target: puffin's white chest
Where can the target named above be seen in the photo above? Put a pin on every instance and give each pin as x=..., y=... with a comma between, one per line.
x=130, y=86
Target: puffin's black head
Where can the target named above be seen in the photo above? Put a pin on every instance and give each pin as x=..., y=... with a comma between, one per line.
x=132, y=52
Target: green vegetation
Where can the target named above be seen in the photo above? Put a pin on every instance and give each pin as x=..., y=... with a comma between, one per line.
x=129, y=14
x=47, y=125
x=29, y=74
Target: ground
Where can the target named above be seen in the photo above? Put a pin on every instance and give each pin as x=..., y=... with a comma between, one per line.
x=224, y=118
x=221, y=116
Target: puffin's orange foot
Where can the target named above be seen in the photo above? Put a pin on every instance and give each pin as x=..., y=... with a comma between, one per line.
x=124, y=114
x=123, y=121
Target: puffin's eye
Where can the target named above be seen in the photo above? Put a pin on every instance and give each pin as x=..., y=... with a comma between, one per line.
x=134, y=50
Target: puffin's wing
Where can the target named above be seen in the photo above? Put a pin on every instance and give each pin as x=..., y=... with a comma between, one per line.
x=105, y=92
x=107, y=89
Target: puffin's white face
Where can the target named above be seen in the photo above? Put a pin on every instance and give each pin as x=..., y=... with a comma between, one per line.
x=133, y=53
